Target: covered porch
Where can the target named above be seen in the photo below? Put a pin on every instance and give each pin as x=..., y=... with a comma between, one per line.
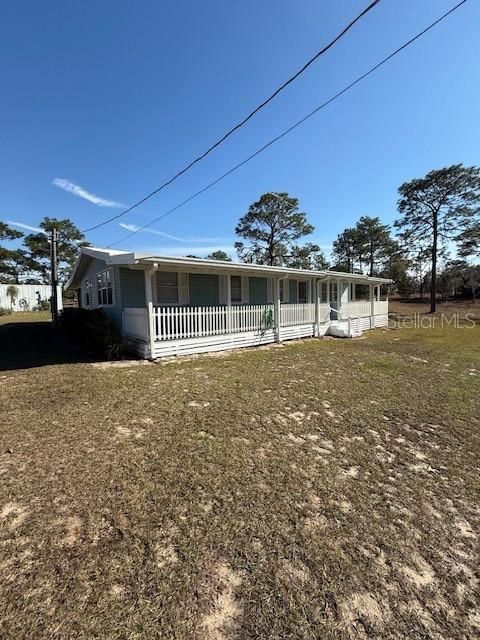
x=341, y=306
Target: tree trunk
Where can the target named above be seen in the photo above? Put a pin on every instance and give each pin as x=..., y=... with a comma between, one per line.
x=371, y=258
x=433, y=288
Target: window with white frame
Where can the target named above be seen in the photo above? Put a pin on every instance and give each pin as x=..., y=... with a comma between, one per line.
x=236, y=288
x=104, y=288
x=167, y=287
x=87, y=288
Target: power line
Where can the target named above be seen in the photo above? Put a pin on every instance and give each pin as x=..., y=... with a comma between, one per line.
x=294, y=126
x=242, y=122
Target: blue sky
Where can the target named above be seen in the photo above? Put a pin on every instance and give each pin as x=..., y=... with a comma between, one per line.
x=115, y=97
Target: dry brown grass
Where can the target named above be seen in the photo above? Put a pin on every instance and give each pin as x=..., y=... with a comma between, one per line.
x=461, y=307
x=325, y=489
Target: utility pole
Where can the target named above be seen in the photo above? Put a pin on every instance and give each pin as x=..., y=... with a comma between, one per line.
x=54, y=275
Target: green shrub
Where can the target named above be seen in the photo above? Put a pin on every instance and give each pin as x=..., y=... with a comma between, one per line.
x=5, y=312
x=43, y=305
x=94, y=332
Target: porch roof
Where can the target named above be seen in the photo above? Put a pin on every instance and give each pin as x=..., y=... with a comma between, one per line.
x=131, y=258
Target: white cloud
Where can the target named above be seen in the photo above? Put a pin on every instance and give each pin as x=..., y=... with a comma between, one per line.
x=155, y=232
x=25, y=226
x=76, y=190
x=133, y=227
x=200, y=251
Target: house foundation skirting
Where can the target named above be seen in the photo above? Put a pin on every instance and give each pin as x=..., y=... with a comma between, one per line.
x=205, y=344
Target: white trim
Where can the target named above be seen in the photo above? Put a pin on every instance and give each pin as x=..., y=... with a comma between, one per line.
x=112, y=286
x=200, y=264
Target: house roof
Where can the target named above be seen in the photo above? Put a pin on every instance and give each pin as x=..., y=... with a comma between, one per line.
x=131, y=258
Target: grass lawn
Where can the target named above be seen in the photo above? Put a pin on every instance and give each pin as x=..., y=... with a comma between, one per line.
x=321, y=489
x=26, y=316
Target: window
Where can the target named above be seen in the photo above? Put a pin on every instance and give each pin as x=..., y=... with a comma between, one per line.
x=323, y=291
x=104, y=288
x=167, y=287
x=283, y=291
x=302, y=291
x=88, y=291
x=236, y=288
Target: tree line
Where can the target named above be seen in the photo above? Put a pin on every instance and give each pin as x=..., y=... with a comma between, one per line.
x=436, y=214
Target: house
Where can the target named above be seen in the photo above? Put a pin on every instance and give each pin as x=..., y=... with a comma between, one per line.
x=172, y=306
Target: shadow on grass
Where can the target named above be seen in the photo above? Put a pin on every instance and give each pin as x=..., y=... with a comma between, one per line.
x=24, y=345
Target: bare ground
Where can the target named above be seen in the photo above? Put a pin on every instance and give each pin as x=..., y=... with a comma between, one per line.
x=324, y=489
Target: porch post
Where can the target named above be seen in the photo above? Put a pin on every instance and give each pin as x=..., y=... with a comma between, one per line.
x=278, y=305
x=328, y=299
x=318, y=287
x=149, y=300
x=372, y=306
x=339, y=299
x=229, y=303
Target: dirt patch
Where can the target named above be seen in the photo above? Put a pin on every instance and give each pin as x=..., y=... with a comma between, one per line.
x=72, y=529
x=421, y=574
x=363, y=615
x=14, y=513
x=165, y=555
x=223, y=620
x=120, y=364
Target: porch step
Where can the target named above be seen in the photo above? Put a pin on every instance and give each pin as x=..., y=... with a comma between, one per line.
x=340, y=328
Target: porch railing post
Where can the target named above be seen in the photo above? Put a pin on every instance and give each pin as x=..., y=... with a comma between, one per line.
x=317, y=306
x=278, y=310
x=149, y=300
x=229, y=303
x=372, y=306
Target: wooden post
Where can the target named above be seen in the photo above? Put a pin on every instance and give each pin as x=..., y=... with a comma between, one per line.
x=328, y=299
x=278, y=306
x=54, y=276
x=339, y=300
x=229, y=303
x=149, y=300
x=372, y=306
x=318, y=286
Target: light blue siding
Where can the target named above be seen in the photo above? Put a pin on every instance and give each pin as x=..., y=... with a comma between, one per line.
x=131, y=288
x=114, y=311
x=204, y=289
x=257, y=288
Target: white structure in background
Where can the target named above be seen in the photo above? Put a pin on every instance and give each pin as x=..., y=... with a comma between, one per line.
x=28, y=297
x=172, y=306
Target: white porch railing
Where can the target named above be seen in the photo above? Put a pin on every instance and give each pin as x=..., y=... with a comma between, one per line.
x=357, y=309
x=177, y=322
x=293, y=314
x=363, y=308
x=194, y=322
x=381, y=308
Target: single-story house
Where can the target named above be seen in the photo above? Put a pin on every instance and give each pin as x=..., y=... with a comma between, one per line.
x=172, y=306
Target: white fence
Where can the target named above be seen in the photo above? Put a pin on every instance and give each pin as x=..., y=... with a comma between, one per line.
x=293, y=314
x=363, y=308
x=28, y=296
x=182, y=322
x=195, y=322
